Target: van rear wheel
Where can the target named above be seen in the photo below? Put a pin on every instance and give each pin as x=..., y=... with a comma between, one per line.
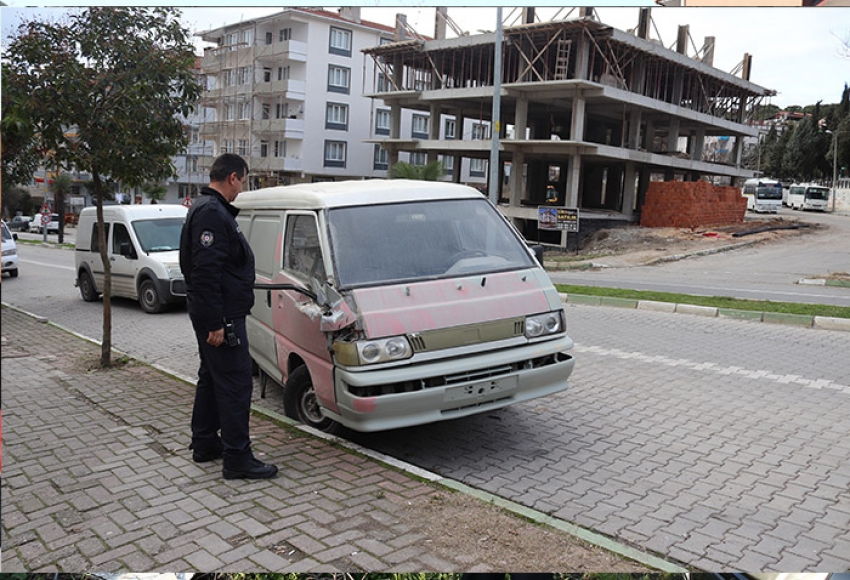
x=300, y=402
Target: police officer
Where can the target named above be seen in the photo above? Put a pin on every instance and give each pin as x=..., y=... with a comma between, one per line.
x=218, y=266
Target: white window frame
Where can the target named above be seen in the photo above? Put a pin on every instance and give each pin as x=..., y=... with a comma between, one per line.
x=451, y=128
x=285, y=34
x=244, y=148
x=335, y=153
x=336, y=114
x=383, y=121
x=339, y=78
x=340, y=41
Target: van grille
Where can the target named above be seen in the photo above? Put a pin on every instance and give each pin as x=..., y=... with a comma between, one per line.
x=466, y=335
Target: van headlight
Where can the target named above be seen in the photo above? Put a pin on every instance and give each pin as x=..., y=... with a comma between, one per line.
x=544, y=324
x=368, y=352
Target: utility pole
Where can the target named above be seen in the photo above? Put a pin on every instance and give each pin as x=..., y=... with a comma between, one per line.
x=834, y=165
x=495, y=124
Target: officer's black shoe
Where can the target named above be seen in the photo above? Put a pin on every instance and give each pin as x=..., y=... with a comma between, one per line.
x=248, y=468
x=205, y=454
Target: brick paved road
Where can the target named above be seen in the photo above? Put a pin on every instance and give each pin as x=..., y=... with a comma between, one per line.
x=716, y=442
x=97, y=478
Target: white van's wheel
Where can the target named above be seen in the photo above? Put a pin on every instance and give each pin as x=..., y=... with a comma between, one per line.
x=86, y=285
x=149, y=297
x=300, y=402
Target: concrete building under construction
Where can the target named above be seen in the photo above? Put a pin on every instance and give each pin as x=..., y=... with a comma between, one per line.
x=591, y=110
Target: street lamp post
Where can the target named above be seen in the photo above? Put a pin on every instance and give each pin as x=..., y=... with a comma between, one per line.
x=834, y=164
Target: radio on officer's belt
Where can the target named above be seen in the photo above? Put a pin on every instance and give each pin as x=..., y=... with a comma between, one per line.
x=230, y=335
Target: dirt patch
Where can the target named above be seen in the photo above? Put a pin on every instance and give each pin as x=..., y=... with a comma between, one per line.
x=636, y=246
x=504, y=541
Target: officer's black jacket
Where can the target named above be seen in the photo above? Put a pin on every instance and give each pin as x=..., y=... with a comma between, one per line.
x=216, y=262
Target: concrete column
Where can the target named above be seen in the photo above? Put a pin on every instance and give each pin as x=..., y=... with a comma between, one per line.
x=395, y=132
x=582, y=58
x=673, y=135
x=571, y=194
x=634, y=129
x=577, y=125
x=434, y=128
x=699, y=143
x=629, y=191
x=520, y=118
x=515, y=185
x=649, y=137
x=738, y=150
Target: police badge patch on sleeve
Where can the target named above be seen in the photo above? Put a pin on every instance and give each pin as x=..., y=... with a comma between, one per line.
x=206, y=238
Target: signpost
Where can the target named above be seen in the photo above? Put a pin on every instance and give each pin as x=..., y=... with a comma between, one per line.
x=563, y=219
x=46, y=215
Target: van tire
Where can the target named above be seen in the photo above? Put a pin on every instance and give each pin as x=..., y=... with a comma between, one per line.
x=149, y=297
x=300, y=403
x=86, y=285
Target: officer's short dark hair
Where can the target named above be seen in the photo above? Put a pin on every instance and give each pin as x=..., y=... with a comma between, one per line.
x=228, y=163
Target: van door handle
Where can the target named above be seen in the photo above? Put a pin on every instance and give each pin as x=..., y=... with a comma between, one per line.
x=269, y=298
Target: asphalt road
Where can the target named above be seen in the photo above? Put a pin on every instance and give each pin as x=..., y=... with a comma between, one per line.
x=718, y=443
x=761, y=272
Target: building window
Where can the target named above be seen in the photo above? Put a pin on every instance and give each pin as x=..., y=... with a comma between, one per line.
x=382, y=85
x=264, y=148
x=244, y=75
x=336, y=117
x=191, y=164
x=266, y=111
x=339, y=79
x=281, y=110
x=335, y=153
x=451, y=125
x=244, y=111
x=382, y=158
x=420, y=127
x=448, y=163
x=267, y=75
x=248, y=36
x=195, y=136
x=477, y=167
x=283, y=73
x=269, y=37
x=280, y=148
x=340, y=42
x=243, y=148
x=382, y=122
x=229, y=112
x=285, y=34
x=232, y=40
x=227, y=146
x=479, y=131
x=418, y=158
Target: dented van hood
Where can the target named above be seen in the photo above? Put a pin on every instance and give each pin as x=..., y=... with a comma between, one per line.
x=434, y=304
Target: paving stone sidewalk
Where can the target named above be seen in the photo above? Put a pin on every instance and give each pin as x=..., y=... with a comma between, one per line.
x=97, y=477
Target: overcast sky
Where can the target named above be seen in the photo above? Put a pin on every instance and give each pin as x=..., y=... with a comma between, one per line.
x=801, y=53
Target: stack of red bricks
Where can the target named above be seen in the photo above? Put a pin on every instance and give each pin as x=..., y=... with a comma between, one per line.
x=692, y=204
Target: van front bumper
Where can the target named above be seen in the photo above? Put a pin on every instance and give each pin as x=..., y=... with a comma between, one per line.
x=452, y=387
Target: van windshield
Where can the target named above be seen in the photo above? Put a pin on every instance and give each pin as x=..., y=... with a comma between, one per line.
x=159, y=235
x=817, y=193
x=407, y=242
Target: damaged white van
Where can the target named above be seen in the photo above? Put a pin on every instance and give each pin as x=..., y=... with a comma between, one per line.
x=389, y=303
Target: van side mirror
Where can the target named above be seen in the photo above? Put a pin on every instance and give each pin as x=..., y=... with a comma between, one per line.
x=538, y=253
x=15, y=237
x=127, y=251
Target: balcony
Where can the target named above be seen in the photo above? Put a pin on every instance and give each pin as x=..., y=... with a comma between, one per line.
x=289, y=89
x=288, y=128
x=293, y=50
x=263, y=164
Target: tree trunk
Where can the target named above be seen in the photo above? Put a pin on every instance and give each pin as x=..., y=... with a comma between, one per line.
x=106, y=345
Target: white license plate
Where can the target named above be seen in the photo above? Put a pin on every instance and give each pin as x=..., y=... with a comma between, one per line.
x=483, y=391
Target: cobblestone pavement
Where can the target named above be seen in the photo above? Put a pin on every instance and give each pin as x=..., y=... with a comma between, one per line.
x=97, y=478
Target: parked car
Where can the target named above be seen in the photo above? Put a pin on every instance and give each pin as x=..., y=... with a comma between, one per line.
x=20, y=223
x=52, y=226
x=10, y=251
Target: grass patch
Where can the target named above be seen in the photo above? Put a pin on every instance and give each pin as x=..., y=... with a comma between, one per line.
x=714, y=301
x=49, y=243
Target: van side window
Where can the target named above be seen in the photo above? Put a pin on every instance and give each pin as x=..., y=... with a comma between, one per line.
x=120, y=235
x=95, y=241
x=302, y=252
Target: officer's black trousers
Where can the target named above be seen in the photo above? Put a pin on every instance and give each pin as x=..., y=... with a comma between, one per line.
x=223, y=395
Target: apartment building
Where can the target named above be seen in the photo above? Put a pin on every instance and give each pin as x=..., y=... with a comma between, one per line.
x=593, y=111
x=285, y=91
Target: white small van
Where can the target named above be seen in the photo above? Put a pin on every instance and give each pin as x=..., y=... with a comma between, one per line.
x=143, y=244
x=808, y=196
x=389, y=303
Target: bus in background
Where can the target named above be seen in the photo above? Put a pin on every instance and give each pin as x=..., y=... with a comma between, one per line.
x=763, y=195
x=808, y=196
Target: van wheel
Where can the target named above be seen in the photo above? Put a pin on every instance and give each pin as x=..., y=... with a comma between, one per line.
x=149, y=297
x=86, y=285
x=300, y=402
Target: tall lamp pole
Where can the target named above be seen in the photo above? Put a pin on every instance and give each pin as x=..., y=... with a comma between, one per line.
x=834, y=164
